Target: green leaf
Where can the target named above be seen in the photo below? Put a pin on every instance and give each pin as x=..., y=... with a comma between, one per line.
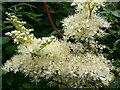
x=20, y=8
x=116, y=83
x=26, y=85
x=10, y=49
x=57, y=22
x=105, y=37
x=54, y=33
x=116, y=13
x=11, y=9
x=107, y=11
x=10, y=79
x=19, y=15
x=117, y=43
x=35, y=15
x=38, y=19
x=4, y=40
x=7, y=27
x=23, y=4
x=111, y=51
x=112, y=31
x=31, y=15
x=119, y=33
x=6, y=21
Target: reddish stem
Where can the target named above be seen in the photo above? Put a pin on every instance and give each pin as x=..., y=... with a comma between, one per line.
x=57, y=82
x=88, y=45
x=51, y=19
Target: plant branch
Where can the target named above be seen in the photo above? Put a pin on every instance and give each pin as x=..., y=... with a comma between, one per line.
x=57, y=82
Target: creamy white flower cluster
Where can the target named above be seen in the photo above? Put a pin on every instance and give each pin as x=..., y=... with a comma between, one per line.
x=35, y=46
x=60, y=60
x=85, y=23
x=74, y=71
x=88, y=5
x=22, y=34
x=96, y=47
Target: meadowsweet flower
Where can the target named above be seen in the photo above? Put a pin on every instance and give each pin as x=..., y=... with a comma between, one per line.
x=85, y=23
x=62, y=60
x=22, y=34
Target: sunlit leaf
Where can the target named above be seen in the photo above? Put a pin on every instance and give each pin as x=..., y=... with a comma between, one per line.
x=117, y=43
x=116, y=13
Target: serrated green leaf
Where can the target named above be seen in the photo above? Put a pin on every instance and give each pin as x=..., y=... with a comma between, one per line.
x=116, y=13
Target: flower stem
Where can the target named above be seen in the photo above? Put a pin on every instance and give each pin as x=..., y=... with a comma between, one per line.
x=45, y=4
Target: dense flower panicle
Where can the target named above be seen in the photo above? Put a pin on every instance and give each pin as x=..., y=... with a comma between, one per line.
x=71, y=70
x=85, y=23
x=62, y=60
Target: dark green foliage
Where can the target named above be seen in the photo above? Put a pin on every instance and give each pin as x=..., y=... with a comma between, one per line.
x=36, y=17
x=112, y=39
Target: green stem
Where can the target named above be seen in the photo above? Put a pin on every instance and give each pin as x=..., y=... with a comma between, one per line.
x=91, y=9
